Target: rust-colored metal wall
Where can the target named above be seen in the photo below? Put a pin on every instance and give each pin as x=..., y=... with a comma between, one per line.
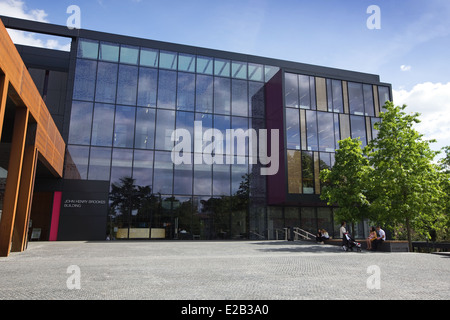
x=49, y=147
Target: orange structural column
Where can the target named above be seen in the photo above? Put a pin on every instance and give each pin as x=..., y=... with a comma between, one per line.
x=24, y=200
x=13, y=180
x=4, y=83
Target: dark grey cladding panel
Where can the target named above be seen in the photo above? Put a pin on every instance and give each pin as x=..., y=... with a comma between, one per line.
x=44, y=58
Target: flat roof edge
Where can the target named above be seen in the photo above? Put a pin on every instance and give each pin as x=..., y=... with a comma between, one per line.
x=63, y=31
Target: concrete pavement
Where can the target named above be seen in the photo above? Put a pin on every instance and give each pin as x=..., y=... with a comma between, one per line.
x=215, y=270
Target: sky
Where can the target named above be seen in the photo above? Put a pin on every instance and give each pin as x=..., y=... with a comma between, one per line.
x=410, y=48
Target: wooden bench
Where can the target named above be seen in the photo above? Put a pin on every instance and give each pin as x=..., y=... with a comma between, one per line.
x=443, y=246
x=386, y=246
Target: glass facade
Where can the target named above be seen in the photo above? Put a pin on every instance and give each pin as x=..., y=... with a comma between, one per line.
x=128, y=101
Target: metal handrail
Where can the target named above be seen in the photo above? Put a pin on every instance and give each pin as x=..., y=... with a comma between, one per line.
x=257, y=234
x=284, y=230
x=303, y=233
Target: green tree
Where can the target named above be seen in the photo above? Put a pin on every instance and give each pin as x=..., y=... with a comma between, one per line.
x=404, y=180
x=345, y=185
x=445, y=184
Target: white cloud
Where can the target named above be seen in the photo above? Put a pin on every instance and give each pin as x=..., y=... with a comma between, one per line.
x=405, y=68
x=432, y=101
x=18, y=9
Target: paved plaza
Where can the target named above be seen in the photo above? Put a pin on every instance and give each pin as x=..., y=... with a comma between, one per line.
x=205, y=270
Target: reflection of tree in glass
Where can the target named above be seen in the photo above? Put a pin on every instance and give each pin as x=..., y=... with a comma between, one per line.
x=127, y=198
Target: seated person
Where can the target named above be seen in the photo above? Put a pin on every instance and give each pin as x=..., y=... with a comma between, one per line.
x=372, y=237
x=322, y=235
x=379, y=240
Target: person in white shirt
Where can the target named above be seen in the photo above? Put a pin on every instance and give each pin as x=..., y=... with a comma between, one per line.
x=379, y=240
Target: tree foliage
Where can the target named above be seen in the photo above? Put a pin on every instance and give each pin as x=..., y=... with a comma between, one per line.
x=404, y=178
x=393, y=181
x=345, y=184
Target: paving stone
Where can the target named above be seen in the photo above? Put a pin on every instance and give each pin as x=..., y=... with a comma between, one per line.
x=219, y=270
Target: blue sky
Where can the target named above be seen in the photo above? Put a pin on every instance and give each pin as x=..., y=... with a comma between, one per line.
x=410, y=50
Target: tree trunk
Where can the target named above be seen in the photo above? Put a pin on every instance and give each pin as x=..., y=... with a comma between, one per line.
x=408, y=231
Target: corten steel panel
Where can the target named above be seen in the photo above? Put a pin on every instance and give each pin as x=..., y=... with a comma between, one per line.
x=24, y=200
x=49, y=141
x=13, y=180
x=16, y=82
x=3, y=95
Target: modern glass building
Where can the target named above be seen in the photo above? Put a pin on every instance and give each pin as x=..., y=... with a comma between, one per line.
x=117, y=102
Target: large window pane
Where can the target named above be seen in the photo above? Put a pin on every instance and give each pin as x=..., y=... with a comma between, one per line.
x=109, y=52
x=240, y=142
x=122, y=163
x=129, y=55
x=293, y=128
x=204, y=93
x=143, y=167
x=168, y=60
x=127, y=87
x=222, y=67
x=183, y=178
x=207, y=123
x=106, y=82
x=205, y=65
x=238, y=173
x=368, y=100
x=145, y=128
x=335, y=98
x=358, y=128
x=222, y=123
x=85, y=75
x=239, y=98
x=326, y=131
x=383, y=96
x=186, y=91
x=88, y=49
x=291, y=90
x=186, y=62
x=222, y=95
x=167, y=87
x=308, y=172
x=307, y=94
x=203, y=179
x=374, y=131
x=324, y=219
x=148, y=83
x=294, y=172
x=356, y=98
x=337, y=133
x=308, y=220
x=124, y=127
x=76, y=162
x=311, y=129
x=221, y=180
x=80, y=123
x=165, y=125
x=102, y=126
x=99, y=163
x=163, y=173
x=149, y=58
x=185, y=120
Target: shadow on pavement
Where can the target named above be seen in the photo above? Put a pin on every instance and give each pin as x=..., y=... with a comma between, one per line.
x=298, y=247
